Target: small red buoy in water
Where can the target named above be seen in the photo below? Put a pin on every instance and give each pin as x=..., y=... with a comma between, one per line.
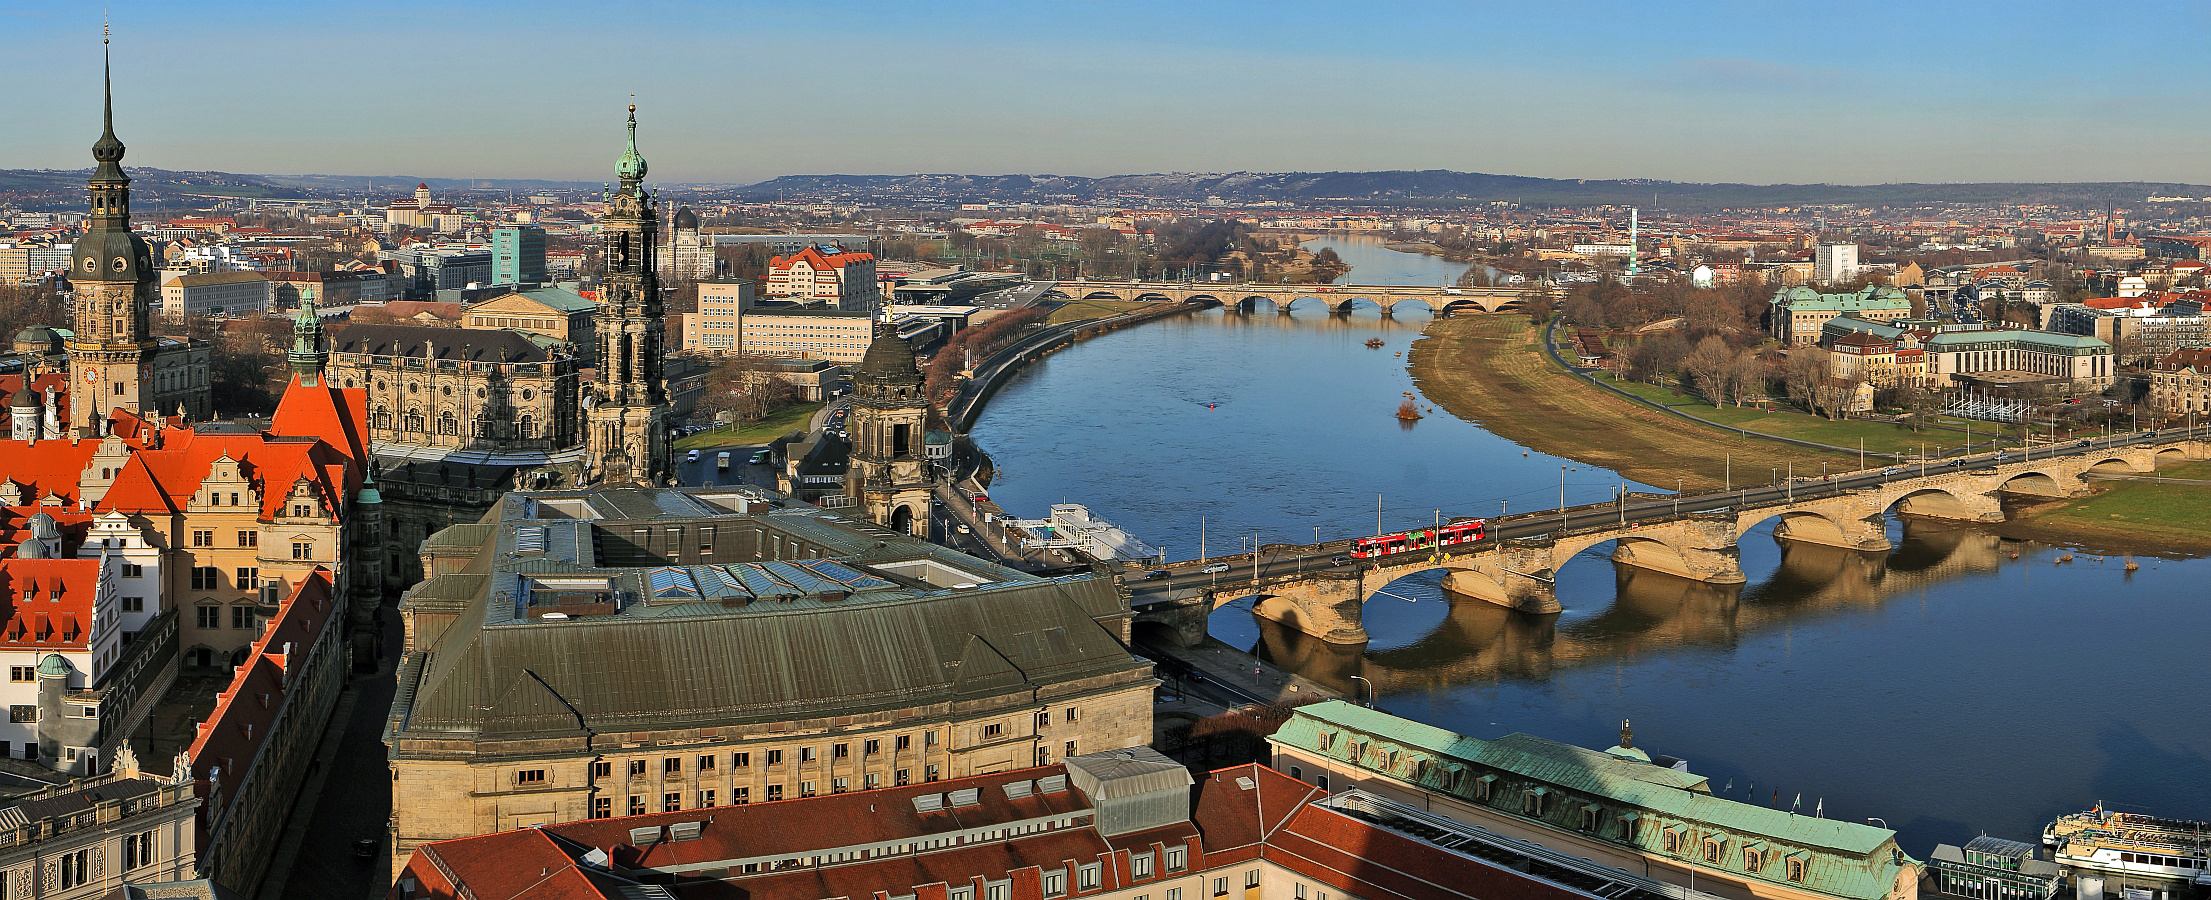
x=1209, y=406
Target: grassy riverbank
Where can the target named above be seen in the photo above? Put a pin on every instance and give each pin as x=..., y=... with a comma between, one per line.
x=1077, y=310
x=2173, y=516
x=1492, y=370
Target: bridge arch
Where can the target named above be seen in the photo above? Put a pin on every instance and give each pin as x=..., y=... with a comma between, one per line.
x=1464, y=304
x=1102, y=294
x=2036, y=482
x=1932, y=501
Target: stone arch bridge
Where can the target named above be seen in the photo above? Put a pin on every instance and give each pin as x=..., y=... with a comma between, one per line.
x=1517, y=567
x=1438, y=301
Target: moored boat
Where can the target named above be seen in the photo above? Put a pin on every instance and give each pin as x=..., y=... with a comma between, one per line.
x=2132, y=849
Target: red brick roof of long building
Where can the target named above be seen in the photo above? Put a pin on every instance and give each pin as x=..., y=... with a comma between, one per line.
x=234, y=732
x=819, y=260
x=1240, y=814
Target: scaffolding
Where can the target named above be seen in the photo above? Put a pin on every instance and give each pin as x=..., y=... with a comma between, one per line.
x=1072, y=527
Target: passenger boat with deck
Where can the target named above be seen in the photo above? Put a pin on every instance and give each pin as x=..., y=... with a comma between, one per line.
x=2132, y=848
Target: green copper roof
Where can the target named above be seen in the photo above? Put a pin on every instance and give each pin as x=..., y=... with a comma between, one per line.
x=631, y=166
x=1844, y=859
x=1949, y=340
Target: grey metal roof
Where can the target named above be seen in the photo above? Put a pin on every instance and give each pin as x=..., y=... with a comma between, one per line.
x=730, y=641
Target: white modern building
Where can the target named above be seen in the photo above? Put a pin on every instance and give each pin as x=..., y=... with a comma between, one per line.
x=1835, y=263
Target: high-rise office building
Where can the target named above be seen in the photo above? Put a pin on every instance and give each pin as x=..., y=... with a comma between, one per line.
x=518, y=255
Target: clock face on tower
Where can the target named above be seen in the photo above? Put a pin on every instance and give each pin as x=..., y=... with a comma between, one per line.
x=92, y=374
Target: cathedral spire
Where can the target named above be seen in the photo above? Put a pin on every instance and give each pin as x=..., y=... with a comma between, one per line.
x=631, y=167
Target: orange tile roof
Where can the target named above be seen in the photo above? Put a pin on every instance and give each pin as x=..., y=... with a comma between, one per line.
x=819, y=260
x=46, y=604
x=337, y=415
x=46, y=468
x=243, y=712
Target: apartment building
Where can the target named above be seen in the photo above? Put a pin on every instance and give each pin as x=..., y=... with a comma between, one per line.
x=841, y=279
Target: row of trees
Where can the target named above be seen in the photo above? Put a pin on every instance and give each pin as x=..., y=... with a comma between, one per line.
x=973, y=344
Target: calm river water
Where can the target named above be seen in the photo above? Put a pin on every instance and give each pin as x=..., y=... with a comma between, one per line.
x=1944, y=687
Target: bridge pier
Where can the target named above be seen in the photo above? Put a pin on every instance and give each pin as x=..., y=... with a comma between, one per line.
x=1517, y=575
x=1700, y=549
x=1185, y=620
x=1868, y=532
x=1329, y=608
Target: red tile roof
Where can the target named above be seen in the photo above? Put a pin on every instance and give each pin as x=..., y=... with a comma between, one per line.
x=46, y=468
x=239, y=724
x=819, y=260
x=46, y=604
x=58, y=382
x=337, y=415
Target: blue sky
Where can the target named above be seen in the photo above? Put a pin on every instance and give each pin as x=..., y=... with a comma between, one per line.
x=1871, y=91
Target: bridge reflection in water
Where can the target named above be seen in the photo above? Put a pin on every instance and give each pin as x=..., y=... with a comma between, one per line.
x=1481, y=641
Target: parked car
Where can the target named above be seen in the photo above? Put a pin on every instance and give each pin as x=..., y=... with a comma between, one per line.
x=1340, y=561
x=1215, y=569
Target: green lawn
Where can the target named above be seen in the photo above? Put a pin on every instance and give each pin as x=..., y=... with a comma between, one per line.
x=783, y=421
x=1077, y=310
x=2172, y=510
x=1789, y=422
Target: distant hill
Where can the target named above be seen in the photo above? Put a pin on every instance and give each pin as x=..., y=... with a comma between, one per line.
x=41, y=189
x=397, y=185
x=1438, y=187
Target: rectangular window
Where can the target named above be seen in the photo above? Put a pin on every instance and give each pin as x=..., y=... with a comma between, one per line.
x=928, y=738
x=637, y=767
x=1140, y=865
x=706, y=763
x=241, y=617
x=706, y=799
x=530, y=776
x=741, y=796
x=775, y=792
x=1069, y=716
x=901, y=776
x=206, y=578
x=247, y=577
x=637, y=806
x=839, y=785
x=303, y=550
x=1174, y=894
x=902, y=742
x=1220, y=887
x=1044, y=719
x=602, y=769
x=993, y=730
x=1055, y=882
x=133, y=570
x=203, y=538
x=805, y=754
x=961, y=893
x=1070, y=749
x=602, y=808
x=1301, y=890
x=1086, y=877
x=249, y=539
x=806, y=789
x=138, y=850
x=840, y=751
x=740, y=760
x=134, y=604
x=670, y=802
x=1251, y=878
x=929, y=774
x=671, y=766
x=775, y=757
x=23, y=713
x=996, y=891
x=871, y=748
x=1177, y=858
x=22, y=673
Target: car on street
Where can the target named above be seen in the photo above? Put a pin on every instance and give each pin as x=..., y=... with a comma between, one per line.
x=1156, y=573
x=1893, y=470
x=1340, y=561
x=760, y=458
x=2084, y=442
x=1215, y=569
x=692, y=456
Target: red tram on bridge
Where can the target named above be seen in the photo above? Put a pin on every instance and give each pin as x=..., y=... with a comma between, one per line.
x=1413, y=541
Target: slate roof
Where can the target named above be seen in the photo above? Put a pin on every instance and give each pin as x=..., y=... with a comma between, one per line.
x=74, y=802
x=495, y=345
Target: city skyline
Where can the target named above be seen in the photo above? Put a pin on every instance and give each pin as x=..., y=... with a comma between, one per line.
x=1717, y=93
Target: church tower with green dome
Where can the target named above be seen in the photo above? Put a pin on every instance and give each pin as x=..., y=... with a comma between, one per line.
x=112, y=272
x=888, y=473
x=626, y=411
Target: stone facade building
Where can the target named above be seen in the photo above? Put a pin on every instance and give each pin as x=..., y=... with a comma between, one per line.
x=1798, y=312
x=889, y=471
x=89, y=837
x=612, y=652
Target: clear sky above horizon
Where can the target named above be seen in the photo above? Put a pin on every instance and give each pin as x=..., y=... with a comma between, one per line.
x=1873, y=91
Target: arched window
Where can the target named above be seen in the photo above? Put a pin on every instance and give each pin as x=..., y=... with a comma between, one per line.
x=447, y=424
x=383, y=417
x=529, y=427
x=414, y=420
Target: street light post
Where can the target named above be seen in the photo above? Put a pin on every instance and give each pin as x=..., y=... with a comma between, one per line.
x=1562, y=497
x=1370, y=689
x=1677, y=498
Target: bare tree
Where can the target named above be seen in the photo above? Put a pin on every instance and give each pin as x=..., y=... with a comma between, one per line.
x=1707, y=367
x=1746, y=377
x=1805, y=368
